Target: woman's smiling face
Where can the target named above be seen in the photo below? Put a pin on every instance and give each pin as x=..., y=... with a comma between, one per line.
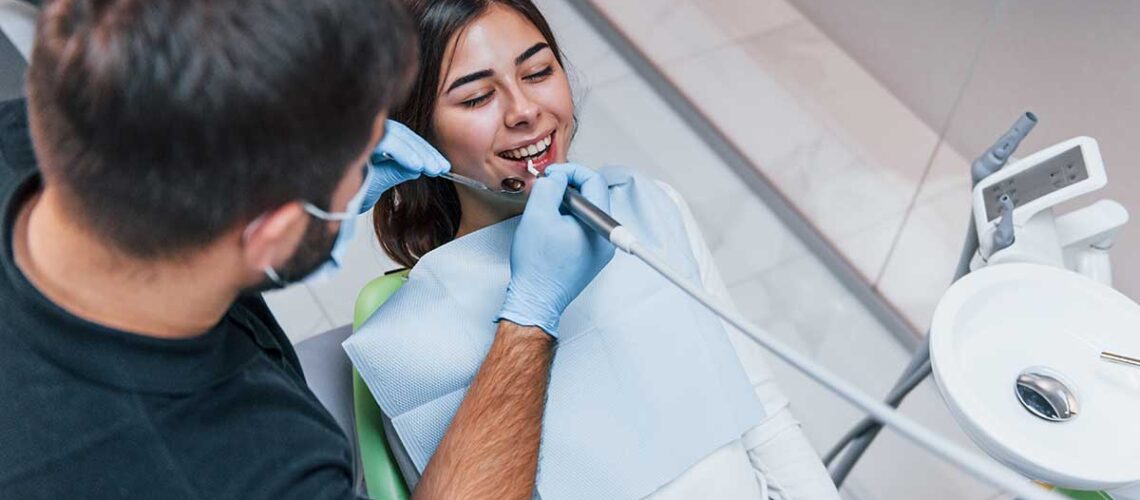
x=503, y=100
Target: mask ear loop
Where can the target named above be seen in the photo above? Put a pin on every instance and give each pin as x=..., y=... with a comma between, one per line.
x=268, y=270
x=317, y=212
x=357, y=198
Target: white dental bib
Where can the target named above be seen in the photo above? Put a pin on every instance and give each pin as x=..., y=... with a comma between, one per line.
x=644, y=383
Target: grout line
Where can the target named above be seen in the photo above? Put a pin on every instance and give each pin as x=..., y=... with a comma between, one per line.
x=739, y=40
x=887, y=315
x=943, y=129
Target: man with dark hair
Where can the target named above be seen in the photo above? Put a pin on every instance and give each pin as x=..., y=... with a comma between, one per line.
x=188, y=154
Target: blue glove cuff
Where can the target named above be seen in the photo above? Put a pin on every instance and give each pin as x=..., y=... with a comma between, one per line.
x=520, y=311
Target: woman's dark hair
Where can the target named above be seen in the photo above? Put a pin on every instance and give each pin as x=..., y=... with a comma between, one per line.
x=415, y=217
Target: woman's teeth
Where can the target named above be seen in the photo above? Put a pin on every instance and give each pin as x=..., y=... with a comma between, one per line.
x=527, y=151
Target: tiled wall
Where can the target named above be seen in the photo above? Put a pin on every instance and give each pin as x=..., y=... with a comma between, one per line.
x=968, y=69
x=866, y=114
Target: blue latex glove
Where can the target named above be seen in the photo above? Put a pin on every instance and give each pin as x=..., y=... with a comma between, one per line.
x=554, y=256
x=401, y=156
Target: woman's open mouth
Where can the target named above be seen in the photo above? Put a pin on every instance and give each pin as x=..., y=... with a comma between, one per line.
x=540, y=154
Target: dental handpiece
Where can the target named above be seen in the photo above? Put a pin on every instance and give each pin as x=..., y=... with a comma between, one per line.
x=589, y=214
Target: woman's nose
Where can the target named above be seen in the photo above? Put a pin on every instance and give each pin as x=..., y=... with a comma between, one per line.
x=522, y=111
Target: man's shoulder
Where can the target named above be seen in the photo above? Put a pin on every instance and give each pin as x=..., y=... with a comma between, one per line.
x=51, y=416
x=66, y=436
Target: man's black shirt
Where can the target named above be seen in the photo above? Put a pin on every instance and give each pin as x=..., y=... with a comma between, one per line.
x=91, y=412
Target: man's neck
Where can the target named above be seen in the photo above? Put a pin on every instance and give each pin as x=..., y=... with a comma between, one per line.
x=88, y=278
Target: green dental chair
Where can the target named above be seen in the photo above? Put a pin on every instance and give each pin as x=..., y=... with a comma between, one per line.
x=381, y=472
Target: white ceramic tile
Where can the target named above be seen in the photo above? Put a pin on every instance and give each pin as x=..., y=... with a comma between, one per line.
x=745, y=103
x=745, y=237
x=669, y=30
x=839, y=192
x=922, y=265
x=867, y=250
x=949, y=172
x=601, y=139
x=665, y=146
x=826, y=178
x=364, y=261
x=920, y=50
x=589, y=59
x=848, y=100
x=665, y=30
x=745, y=18
x=296, y=311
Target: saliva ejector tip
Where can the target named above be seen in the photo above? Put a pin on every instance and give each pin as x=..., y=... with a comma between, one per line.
x=530, y=168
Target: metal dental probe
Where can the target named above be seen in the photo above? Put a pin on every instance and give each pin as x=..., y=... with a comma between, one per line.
x=472, y=183
x=1118, y=358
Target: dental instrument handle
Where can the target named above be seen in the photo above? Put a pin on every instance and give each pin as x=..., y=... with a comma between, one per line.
x=466, y=181
x=998, y=154
x=1003, y=236
x=589, y=214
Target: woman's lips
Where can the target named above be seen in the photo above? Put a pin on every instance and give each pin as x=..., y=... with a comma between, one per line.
x=540, y=162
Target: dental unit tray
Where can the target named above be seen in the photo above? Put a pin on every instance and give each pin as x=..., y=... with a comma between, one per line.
x=1014, y=223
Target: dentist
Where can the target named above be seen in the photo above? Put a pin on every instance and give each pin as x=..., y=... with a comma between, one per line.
x=173, y=159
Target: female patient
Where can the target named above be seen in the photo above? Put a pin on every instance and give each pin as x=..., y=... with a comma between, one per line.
x=648, y=396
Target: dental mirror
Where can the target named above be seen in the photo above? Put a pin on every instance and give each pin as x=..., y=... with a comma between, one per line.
x=511, y=186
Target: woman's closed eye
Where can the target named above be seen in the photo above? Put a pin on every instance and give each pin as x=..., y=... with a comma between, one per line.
x=539, y=75
x=535, y=77
x=477, y=100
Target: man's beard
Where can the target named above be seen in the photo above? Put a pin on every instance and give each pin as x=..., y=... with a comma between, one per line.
x=314, y=250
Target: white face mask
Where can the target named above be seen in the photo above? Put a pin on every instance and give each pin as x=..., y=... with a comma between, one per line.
x=347, y=220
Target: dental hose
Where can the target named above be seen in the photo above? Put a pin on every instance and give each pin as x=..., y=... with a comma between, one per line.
x=622, y=238
x=859, y=438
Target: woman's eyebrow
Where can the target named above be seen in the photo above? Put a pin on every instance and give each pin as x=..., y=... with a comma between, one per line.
x=481, y=74
x=465, y=79
x=534, y=49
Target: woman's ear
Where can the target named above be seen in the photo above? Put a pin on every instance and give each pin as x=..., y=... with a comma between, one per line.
x=270, y=240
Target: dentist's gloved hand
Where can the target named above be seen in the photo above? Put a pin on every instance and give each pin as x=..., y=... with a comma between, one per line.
x=554, y=256
x=401, y=156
